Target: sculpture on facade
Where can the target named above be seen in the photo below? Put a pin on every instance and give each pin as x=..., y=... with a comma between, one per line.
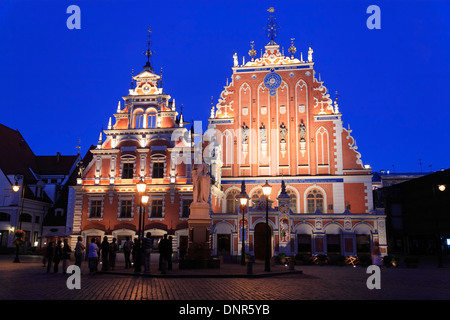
x=245, y=133
x=283, y=131
x=302, y=131
x=201, y=182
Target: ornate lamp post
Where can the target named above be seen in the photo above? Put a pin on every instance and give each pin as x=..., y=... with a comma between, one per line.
x=144, y=201
x=16, y=188
x=243, y=200
x=141, y=186
x=267, y=189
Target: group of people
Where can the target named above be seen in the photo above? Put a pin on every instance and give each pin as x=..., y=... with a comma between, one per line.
x=106, y=252
x=131, y=250
x=55, y=253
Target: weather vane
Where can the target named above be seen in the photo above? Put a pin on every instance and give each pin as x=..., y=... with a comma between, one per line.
x=272, y=26
x=148, y=53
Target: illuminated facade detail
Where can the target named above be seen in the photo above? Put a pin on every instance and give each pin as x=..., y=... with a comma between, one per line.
x=277, y=122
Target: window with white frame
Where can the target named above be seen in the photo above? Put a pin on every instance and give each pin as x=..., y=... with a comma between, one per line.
x=126, y=209
x=95, y=208
x=315, y=201
x=185, y=208
x=156, y=208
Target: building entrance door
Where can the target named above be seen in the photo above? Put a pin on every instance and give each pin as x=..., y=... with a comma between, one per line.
x=260, y=241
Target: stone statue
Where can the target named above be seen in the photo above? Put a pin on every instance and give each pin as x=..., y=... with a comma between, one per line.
x=310, y=54
x=235, y=59
x=262, y=131
x=244, y=133
x=202, y=183
x=283, y=131
x=302, y=131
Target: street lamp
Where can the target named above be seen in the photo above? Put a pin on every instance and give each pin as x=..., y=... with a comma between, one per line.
x=144, y=201
x=267, y=189
x=141, y=186
x=16, y=188
x=243, y=200
x=441, y=188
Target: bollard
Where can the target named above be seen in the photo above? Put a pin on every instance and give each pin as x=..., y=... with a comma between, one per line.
x=249, y=267
x=291, y=265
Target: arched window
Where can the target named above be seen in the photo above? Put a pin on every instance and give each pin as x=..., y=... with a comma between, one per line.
x=293, y=203
x=256, y=196
x=231, y=201
x=151, y=119
x=315, y=201
x=139, y=120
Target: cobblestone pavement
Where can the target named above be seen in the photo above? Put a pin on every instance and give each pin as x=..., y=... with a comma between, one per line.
x=28, y=280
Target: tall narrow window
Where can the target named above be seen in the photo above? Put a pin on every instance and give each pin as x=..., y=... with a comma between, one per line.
x=156, y=209
x=315, y=201
x=125, y=208
x=139, y=120
x=152, y=120
x=185, y=208
x=158, y=170
x=96, y=209
x=127, y=170
x=293, y=203
x=231, y=201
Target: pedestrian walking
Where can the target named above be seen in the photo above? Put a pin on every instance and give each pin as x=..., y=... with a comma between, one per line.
x=65, y=255
x=105, y=253
x=93, y=257
x=79, y=251
x=49, y=255
x=113, y=248
x=127, y=247
x=57, y=256
x=147, y=247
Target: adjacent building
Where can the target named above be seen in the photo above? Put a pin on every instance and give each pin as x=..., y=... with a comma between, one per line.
x=38, y=182
x=146, y=142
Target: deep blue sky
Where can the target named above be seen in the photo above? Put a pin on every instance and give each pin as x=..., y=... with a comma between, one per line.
x=59, y=85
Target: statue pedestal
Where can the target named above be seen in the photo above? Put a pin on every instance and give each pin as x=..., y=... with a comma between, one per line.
x=199, y=252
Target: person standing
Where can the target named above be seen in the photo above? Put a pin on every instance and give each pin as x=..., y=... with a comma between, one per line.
x=147, y=247
x=105, y=253
x=93, y=257
x=163, y=248
x=135, y=251
x=127, y=247
x=169, y=253
x=79, y=250
x=57, y=256
x=49, y=255
x=113, y=248
x=65, y=255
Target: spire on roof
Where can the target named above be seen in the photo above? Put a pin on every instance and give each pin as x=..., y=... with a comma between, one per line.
x=272, y=27
x=148, y=53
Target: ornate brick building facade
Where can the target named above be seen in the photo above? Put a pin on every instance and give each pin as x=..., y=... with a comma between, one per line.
x=275, y=121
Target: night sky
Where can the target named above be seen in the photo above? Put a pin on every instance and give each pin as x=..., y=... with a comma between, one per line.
x=59, y=85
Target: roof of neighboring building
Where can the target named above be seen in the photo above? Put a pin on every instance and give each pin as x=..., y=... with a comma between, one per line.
x=56, y=165
x=17, y=156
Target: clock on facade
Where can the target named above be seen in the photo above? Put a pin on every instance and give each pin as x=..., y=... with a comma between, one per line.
x=272, y=80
